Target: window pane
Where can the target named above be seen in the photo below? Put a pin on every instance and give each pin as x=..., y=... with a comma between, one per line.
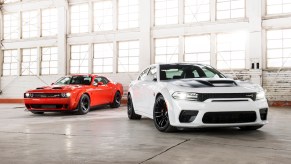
x=29, y=61
x=79, y=59
x=166, y=50
x=196, y=11
x=128, y=14
x=79, y=18
x=128, y=58
x=49, y=22
x=103, y=16
x=49, y=63
x=29, y=24
x=103, y=58
x=11, y=26
x=278, y=6
x=227, y=9
x=10, y=64
x=166, y=12
x=197, y=49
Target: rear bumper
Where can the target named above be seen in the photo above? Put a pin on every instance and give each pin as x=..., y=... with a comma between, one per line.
x=50, y=104
x=212, y=114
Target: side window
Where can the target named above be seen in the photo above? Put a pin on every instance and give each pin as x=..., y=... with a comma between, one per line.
x=100, y=79
x=143, y=75
x=152, y=74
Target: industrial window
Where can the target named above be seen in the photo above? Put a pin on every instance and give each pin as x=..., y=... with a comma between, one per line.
x=79, y=59
x=29, y=61
x=103, y=58
x=79, y=18
x=197, y=49
x=49, y=60
x=128, y=16
x=166, y=50
x=128, y=56
x=11, y=26
x=49, y=22
x=231, y=50
x=29, y=24
x=279, y=48
x=10, y=64
x=227, y=9
x=103, y=16
x=278, y=6
x=166, y=12
x=196, y=11
x=10, y=1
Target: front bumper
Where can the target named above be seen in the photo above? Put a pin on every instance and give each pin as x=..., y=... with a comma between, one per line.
x=238, y=107
x=50, y=104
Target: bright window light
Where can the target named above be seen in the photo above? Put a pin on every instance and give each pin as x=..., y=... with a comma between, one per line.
x=29, y=24
x=278, y=6
x=49, y=61
x=103, y=16
x=10, y=1
x=231, y=50
x=128, y=56
x=166, y=12
x=166, y=50
x=228, y=9
x=29, y=61
x=79, y=59
x=10, y=62
x=49, y=22
x=279, y=48
x=197, y=49
x=103, y=58
x=11, y=26
x=196, y=11
x=128, y=14
x=79, y=18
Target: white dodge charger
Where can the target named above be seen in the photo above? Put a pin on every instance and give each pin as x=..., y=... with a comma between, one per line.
x=195, y=95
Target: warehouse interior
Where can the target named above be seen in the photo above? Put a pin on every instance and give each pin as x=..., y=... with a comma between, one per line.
x=43, y=40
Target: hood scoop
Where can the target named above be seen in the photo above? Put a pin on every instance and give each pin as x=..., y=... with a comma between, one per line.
x=219, y=83
x=57, y=88
x=40, y=88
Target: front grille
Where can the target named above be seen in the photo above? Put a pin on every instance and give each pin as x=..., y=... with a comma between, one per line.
x=229, y=117
x=46, y=95
x=47, y=106
x=204, y=96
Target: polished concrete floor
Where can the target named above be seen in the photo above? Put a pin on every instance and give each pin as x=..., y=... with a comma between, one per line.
x=106, y=136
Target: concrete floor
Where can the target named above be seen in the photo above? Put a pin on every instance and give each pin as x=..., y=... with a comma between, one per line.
x=107, y=136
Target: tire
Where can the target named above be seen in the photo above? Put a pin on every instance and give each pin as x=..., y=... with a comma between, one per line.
x=130, y=110
x=161, y=117
x=84, y=105
x=37, y=112
x=247, y=128
x=116, y=101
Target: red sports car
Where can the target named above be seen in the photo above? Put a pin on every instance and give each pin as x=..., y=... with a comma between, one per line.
x=74, y=93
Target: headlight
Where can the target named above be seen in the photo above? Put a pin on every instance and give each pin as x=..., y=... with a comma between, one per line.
x=66, y=95
x=260, y=95
x=27, y=95
x=185, y=96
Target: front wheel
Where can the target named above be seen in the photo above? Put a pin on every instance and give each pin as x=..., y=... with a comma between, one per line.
x=116, y=101
x=250, y=127
x=84, y=105
x=161, y=117
x=130, y=110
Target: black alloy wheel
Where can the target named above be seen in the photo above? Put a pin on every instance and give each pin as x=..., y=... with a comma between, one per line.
x=130, y=110
x=161, y=117
x=116, y=101
x=84, y=104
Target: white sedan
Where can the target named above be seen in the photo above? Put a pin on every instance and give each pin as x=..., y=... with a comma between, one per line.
x=195, y=95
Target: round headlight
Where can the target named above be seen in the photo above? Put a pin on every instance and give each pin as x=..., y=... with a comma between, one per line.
x=185, y=96
x=260, y=95
x=66, y=95
x=27, y=94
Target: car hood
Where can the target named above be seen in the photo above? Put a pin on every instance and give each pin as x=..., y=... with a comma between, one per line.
x=209, y=85
x=56, y=88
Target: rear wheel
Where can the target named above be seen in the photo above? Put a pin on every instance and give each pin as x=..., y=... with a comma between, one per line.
x=161, y=117
x=250, y=127
x=37, y=112
x=116, y=101
x=84, y=105
x=130, y=110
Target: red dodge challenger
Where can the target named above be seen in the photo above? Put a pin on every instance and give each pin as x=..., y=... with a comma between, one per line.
x=74, y=93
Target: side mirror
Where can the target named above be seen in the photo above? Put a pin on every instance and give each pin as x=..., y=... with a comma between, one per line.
x=155, y=79
x=99, y=83
x=52, y=83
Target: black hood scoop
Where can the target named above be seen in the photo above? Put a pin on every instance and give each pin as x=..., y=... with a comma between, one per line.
x=57, y=88
x=200, y=83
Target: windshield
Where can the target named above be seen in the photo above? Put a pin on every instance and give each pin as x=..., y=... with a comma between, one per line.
x=183, y=71
x=80, y=80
